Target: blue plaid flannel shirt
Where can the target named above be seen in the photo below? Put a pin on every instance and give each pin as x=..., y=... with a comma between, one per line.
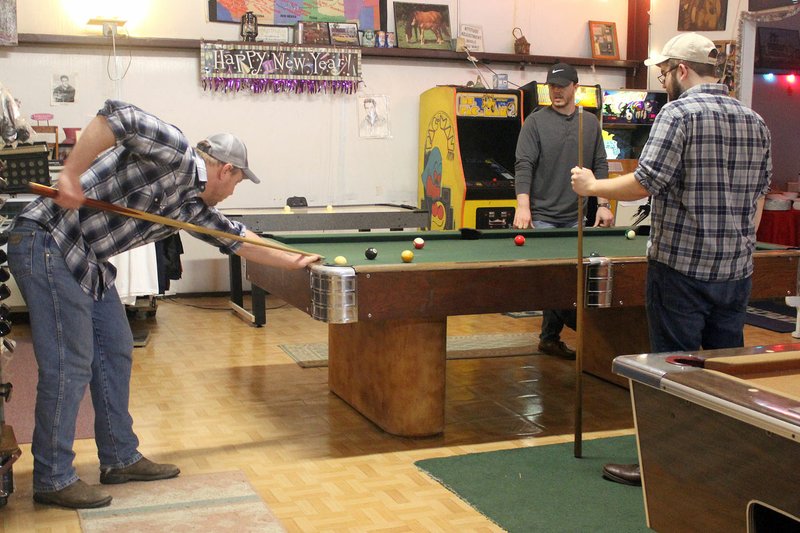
x=151, y=168
x=706, y=163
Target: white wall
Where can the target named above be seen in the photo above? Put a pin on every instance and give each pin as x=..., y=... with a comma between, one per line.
x=303, y=145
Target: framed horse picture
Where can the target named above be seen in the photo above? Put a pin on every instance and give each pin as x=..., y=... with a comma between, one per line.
x=422, y=25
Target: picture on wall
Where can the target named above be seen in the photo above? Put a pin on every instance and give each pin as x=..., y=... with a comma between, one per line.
x=373, y=116
x=8, y=22
x=344, y=33
x=422, y=25
x=365, y=13
x=603, y=38
x=726, y=64
x=64, y=86
x=760, y=5
x=702, y=15
x=777, y=48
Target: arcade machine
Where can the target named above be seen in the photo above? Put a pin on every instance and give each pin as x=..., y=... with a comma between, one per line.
x=468, y=137
x=627, y=116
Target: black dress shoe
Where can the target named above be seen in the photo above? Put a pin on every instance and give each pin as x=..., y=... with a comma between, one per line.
x=625, y=474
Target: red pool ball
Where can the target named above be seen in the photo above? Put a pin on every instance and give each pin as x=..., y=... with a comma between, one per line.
x=419, y=243
x=519, y=240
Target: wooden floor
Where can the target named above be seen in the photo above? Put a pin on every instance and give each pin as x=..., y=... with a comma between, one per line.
x=211, y=393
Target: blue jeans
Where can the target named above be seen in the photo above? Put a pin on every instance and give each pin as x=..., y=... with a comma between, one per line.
x=77, y=341
x=554, y=320
x=685, y=314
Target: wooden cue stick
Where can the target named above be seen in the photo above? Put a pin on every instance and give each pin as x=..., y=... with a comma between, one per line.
x=578, y=443
x=50, y=192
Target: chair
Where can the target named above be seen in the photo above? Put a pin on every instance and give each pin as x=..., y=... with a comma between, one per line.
x=53, y=146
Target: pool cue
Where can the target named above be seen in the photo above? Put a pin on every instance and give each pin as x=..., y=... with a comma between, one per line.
x=50, y=192
x=578, y=443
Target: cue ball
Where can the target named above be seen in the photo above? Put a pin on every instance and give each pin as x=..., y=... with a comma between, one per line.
x=407, y=256
x=287, y=209
x=340, y=260
x=519, y=240
x=630, y=234
x=419, y=243
x=371, y=253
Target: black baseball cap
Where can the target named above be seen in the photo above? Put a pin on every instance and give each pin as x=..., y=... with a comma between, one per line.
x=562, y=75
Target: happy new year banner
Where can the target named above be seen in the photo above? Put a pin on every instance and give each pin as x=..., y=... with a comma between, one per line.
x=279, y=68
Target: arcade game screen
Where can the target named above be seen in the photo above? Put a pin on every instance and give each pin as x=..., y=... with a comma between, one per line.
x=631, y=106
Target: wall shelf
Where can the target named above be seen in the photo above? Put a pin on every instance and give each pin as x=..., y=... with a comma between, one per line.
x=389, y=53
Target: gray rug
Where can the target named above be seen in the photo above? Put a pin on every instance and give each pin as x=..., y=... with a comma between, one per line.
x=458, y=347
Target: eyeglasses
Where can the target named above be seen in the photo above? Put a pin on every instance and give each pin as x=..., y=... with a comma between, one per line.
x=663, y=76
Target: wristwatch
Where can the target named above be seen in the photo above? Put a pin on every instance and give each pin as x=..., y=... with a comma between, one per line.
x=605, y=204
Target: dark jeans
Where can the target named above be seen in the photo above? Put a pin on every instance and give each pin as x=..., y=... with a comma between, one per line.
x=554, y=320
x=685, y=314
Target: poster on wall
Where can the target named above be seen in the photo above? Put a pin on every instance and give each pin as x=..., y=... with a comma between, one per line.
x=63, y=88
x=373, y=116
x=702, y=15
x=365, y=13
x=8, y=22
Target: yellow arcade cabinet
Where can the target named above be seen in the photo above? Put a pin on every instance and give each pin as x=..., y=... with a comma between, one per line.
x=468, y=137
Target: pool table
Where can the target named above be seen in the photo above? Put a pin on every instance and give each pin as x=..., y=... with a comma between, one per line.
x=388, y=319
x=718, y=433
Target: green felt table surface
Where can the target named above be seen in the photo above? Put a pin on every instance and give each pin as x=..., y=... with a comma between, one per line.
x=449, y=246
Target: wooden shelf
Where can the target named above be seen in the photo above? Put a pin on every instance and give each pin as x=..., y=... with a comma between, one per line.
x=389, y=53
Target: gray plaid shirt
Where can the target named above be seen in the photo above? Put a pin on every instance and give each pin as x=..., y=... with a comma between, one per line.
x=706, y=163
x=152, y=168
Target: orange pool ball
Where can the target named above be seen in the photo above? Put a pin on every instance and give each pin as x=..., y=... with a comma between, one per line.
x=519, y=240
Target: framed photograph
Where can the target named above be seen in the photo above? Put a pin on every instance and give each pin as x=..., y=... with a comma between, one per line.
x=344, y=33
x=422, y=25
x=760, y=5
x=312, y=33
x=702, y=15
x=726, y=64
x=270, y=33
x=367, y=38
x=603, y=38
x=777, y=48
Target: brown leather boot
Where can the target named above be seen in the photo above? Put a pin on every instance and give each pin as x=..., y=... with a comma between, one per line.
x=557, y=349
x=79, y=495
x=142, y=470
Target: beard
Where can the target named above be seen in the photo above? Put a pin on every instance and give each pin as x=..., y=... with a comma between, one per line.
x=674, y=89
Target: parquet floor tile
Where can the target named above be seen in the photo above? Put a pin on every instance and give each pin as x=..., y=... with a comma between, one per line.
x=212, y=394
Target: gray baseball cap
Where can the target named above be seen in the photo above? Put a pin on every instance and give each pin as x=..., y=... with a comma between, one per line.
x=227, y=148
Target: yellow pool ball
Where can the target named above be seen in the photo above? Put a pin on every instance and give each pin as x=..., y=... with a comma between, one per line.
x=340, y=260
x=407, y=256
x=630, y=234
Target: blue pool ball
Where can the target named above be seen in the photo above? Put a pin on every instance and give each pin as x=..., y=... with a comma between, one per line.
x=371, y=253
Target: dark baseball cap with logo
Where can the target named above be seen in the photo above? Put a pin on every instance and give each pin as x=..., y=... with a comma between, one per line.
x=227, y=148
x=562, y=75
